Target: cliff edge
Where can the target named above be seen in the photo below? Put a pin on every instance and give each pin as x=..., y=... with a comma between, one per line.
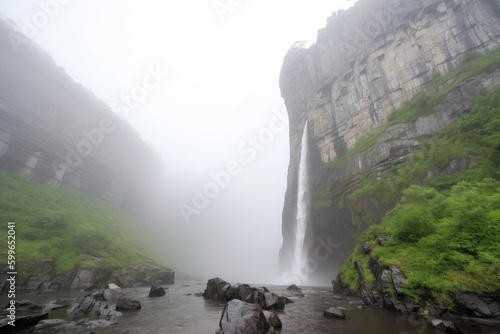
x=368, y=61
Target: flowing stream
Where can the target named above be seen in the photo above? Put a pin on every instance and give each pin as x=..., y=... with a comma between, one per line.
x=298, y=267
x=181, y=312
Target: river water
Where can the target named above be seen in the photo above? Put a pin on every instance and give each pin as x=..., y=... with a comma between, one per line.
x=179, y=311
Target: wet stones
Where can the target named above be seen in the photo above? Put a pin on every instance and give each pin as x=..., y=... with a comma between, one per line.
x=334, y=312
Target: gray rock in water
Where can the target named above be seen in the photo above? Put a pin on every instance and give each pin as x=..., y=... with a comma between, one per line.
x=156, y=291
x=239, y=317
x=293, y=287
x=128, y=304
x=272, y=319
x=445, y=326
x=333, y=312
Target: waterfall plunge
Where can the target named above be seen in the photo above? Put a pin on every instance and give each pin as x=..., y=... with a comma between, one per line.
x=299, y=261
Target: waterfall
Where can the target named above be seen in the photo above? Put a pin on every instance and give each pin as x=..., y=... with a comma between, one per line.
x=299, y=261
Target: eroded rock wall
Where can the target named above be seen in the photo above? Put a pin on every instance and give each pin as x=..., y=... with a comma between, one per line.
x=367, y=61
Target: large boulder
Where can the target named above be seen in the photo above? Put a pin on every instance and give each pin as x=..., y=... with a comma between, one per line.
x=94, y=303
x=217, y=289
x=128, y=304
x=333, y=312
x=239, y=317
x=156, y=291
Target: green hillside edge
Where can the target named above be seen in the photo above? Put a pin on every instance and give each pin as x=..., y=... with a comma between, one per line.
x=67, y=226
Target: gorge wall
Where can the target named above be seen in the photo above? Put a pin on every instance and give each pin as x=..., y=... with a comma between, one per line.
x=54, y=131
x=366, y=62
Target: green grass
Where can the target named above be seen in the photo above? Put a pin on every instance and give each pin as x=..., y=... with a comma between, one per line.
x=64, y=224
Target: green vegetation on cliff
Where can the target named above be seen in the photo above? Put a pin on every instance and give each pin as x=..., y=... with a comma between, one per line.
x=443, y=241
x=445, y=232
x=67, y=226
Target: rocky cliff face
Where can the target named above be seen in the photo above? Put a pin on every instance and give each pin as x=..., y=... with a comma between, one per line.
x=366, y=62
x=54, y=131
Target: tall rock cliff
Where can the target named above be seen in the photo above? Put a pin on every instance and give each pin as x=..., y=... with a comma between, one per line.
x=54, y=131
x=366, y=62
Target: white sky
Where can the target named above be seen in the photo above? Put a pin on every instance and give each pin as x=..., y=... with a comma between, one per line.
x=222, y=88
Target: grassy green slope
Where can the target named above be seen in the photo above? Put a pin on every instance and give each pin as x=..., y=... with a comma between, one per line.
x=445, y=232
x=65, y=224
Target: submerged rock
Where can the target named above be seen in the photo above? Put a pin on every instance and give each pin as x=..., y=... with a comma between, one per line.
x=239, y=317
x=333, y=312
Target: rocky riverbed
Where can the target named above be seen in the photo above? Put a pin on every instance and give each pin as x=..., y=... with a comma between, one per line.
x=183, y=309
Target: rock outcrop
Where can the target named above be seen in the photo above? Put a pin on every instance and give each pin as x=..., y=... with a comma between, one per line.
x=387, y=292
x=54, y=131
x=40, y=277
x=218, y=289
x=366, y=62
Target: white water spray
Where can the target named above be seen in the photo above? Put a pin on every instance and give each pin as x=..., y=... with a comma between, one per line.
x=299, y=262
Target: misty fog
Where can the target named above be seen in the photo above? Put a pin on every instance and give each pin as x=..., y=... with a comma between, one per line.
x=199, y=82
